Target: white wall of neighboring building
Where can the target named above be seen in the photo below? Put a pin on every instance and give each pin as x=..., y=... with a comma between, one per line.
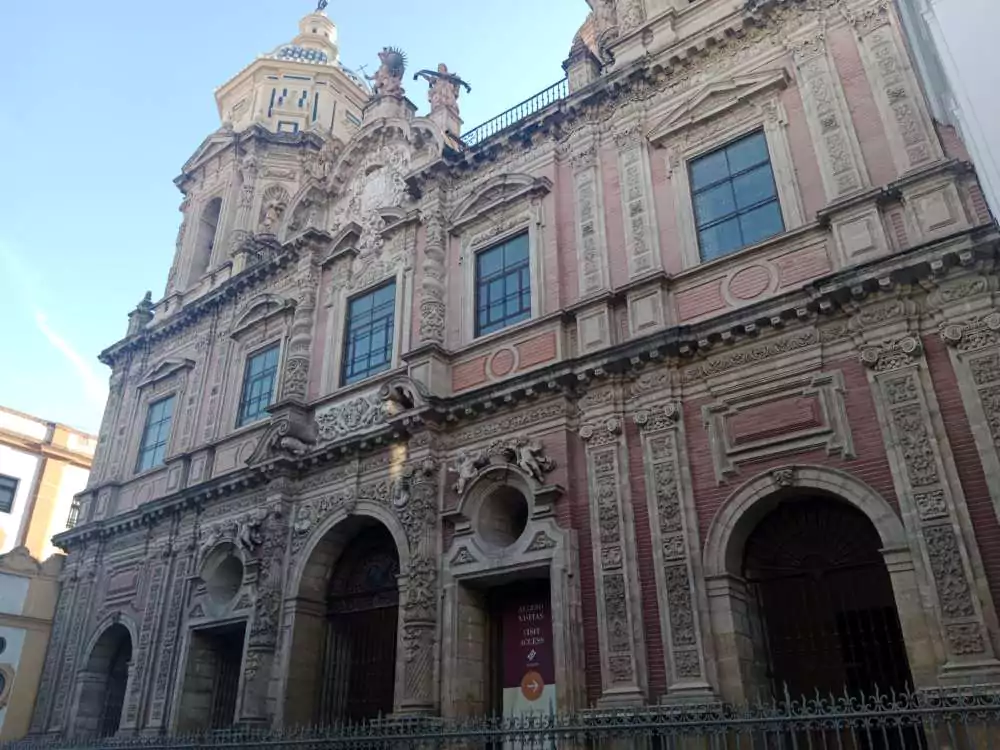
x=74, y=480
x=22, y=466
x=963, y=79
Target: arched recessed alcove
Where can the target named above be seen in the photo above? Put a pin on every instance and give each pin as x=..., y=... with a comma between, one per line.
x=205, y=238
x=343, y=660
x=812, y=586
x=103, y=683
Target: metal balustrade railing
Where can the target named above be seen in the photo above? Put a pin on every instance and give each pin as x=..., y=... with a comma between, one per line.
x=515, y=114
x=957, y=720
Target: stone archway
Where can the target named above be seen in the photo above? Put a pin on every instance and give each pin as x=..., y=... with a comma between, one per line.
x=735, y=565
x=342, y=663
x=102, y=684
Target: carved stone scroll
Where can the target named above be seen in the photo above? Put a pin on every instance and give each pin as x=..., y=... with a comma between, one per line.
x=928, y=500
x=620, y=632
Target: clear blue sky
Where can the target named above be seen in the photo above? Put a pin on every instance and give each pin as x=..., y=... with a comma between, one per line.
x=104, y=102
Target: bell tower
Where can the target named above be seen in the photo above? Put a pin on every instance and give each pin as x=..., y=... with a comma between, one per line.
x=299, y=86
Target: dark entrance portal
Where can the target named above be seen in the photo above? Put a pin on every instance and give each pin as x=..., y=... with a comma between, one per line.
x=114, y=698
x=363, y=603
x=825, y=601
x=212, y=677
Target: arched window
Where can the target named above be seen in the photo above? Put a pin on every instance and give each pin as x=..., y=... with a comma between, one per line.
x=208, y=227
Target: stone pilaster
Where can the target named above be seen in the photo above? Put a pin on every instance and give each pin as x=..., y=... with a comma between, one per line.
x=900, y=101
x=641, y=241
x=676, y=552
x=295, y=377
x=432, y=303
x=974, y=347
x=267, y=535
x=416, y=506
x=140, y=668
x=616, y=585
x=61, y=626
x=175, y=598
x=591, y=240
x=829, y=120
x=243, y=219
x=933, y=508
x=63, y=683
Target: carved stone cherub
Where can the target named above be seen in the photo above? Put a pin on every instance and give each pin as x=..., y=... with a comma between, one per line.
x=467, y=467
x=249, y=534
x=528, y=457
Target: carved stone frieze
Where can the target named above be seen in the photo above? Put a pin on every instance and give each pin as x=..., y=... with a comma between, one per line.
x=357, y=414
x=750, y=354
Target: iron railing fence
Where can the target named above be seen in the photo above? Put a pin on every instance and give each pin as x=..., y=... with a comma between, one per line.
x=953, y=720
x=518, y=112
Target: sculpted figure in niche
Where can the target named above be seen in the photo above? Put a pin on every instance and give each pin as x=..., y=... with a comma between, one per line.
x=467, y=466
x=271, y=216
x=444, y=88
x=388, y=79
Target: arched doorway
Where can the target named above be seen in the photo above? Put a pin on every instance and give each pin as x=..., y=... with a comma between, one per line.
x=103, y=684
x=823, y=598
x=359, y=665
x=342, y=664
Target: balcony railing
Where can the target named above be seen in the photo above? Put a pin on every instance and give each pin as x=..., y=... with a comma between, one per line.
x=515, y=114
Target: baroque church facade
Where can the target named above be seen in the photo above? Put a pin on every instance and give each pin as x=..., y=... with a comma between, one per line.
x=681, y=384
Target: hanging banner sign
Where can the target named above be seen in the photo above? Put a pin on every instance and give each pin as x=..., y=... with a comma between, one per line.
x=529, y=679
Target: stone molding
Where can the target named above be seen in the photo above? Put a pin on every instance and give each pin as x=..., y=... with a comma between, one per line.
x=826, y=424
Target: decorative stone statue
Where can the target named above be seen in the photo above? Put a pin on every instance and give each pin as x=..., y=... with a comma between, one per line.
x=249, y=535
x=389, y=76
x=528, y=457
x=467, y=467
x=444, y=88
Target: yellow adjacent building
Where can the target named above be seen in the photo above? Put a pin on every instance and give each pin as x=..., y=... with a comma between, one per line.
x=42, y=466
